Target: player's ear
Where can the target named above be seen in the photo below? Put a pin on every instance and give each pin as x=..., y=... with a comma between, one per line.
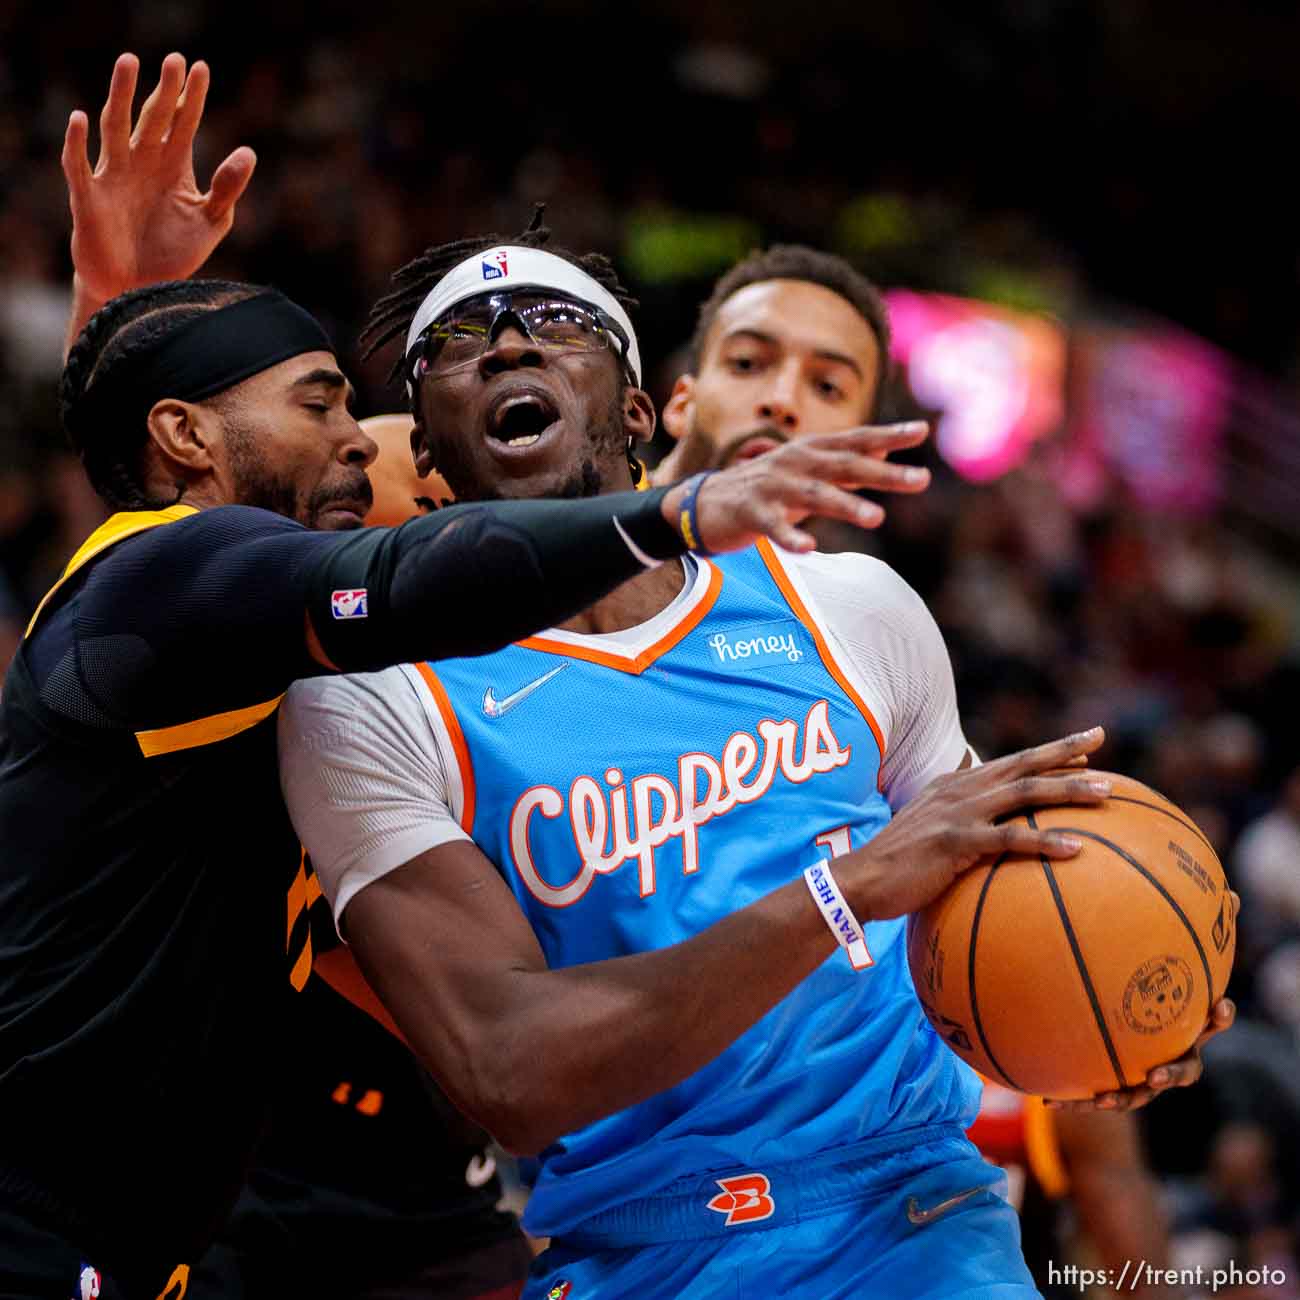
x=638, y=414
x=183, y=436
x=421, y=452
x=679, y=410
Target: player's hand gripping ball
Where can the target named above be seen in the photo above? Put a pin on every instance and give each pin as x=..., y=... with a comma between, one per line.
x=1073, y=977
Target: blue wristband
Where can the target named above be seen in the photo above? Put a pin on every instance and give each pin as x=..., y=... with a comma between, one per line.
x=687, y=522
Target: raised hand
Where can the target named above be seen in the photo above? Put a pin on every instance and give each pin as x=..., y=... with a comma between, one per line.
x=956, y=821
x=769, y=495
x=139, y=216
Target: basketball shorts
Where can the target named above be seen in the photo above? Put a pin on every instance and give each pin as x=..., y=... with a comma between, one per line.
x=919, y=1215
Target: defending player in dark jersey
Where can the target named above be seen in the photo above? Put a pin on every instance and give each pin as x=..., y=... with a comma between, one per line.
x=149, y=879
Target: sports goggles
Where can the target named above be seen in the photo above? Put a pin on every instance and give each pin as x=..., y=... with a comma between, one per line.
x=555, y=322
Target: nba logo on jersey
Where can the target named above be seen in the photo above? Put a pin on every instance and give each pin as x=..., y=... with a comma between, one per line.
x=349, y=604
x=88, y=1284
x=494, y=265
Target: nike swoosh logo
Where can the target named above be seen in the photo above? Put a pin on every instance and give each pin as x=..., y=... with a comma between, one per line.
x=920, y=1217
x=494, y=708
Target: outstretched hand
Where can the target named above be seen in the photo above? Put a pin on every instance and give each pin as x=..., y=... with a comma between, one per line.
x=139, y=216
x=770, y=495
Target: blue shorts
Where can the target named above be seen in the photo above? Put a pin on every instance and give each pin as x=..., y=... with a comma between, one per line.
x=913, y=1215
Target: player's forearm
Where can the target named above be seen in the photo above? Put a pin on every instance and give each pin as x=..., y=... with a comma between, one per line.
x=544, y=1052
x=1119, y=1210
x=470, y=579
x=84, y=306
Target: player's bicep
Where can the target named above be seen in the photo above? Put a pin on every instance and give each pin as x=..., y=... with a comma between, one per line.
x=369, y=780
x=443, y=943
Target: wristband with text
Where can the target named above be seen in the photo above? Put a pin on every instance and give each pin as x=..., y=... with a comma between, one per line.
x=838, y=915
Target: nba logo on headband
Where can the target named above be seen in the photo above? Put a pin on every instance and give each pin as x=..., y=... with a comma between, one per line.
x=494, y=265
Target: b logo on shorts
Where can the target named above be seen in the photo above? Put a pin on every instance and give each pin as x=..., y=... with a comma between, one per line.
x=744, y=1199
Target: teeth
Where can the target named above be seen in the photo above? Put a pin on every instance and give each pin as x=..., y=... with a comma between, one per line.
x=524, y=440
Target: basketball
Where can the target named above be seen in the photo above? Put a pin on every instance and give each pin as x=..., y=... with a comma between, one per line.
x=1069, y=977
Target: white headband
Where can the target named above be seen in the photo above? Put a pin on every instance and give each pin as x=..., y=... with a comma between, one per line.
x=517, y=267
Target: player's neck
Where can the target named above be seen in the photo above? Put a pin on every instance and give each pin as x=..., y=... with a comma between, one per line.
x=635, y=602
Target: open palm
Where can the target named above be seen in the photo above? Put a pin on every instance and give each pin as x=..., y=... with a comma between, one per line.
x=139, y=216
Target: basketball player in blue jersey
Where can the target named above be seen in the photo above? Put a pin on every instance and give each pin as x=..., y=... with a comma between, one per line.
x=598, y=878
x=838, y=1111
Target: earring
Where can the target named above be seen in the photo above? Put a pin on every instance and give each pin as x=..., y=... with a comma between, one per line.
x=634, y=465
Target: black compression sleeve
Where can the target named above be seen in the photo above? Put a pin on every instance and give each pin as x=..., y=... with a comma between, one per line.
x=472, y=578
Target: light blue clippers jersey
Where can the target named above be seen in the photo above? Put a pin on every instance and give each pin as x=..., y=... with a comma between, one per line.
x=631, y=804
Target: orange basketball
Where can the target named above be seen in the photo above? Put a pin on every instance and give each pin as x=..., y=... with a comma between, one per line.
x=1073, y=976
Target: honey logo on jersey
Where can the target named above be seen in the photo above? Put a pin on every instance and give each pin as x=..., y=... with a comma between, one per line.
x=495, y=266
x=745, y=1198
x=560, y=1291
x=630, y=820
x=762, y=646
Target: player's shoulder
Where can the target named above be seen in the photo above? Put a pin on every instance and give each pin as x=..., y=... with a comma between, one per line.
x=853, y=578
x=194, y=537
x=348, y=701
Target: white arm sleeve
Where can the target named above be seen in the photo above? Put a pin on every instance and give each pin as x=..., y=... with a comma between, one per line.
x=368, y=774
x=893, y=652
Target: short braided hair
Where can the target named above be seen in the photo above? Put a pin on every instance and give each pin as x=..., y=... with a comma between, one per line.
x=111, y=451
x=392, y=315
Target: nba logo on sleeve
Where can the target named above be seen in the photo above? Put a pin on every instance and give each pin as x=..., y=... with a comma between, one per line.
x=494, y=265
x=349, y=604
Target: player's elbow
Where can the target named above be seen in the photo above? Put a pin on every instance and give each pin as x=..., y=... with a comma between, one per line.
x=512, y=1105
x=502, y=1087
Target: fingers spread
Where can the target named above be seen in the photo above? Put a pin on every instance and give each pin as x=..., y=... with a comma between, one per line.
x=1056, y=753
x=812, y=496
x=1016, y=838
x=229, y=182
x=115, y=120
x=189, y=110
x=158, y=110
x=76, y=163
x=1027, y=792
x=850, y=469
x=872, y=439
x=1222, y=1015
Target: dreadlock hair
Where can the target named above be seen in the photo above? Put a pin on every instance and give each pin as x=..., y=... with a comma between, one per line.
x=796, y=262
x=125, y=326
x=392, y=315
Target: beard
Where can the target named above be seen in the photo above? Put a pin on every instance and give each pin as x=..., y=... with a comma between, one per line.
x=725, y=453
x=257, y=485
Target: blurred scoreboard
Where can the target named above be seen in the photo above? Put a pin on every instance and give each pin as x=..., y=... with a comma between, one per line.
x=1143, y=406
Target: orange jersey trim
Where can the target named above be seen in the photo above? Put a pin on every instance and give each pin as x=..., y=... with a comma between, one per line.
x=461, y=749
x=204, y=731
x=637, y=665
x=782, y=580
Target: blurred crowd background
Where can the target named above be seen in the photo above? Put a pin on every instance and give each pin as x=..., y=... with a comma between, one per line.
x=1079, y=209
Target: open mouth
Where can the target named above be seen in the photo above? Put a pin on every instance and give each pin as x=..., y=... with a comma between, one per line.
x=521, y=419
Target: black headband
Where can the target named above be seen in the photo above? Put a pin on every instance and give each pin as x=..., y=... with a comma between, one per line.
x=206, y=355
